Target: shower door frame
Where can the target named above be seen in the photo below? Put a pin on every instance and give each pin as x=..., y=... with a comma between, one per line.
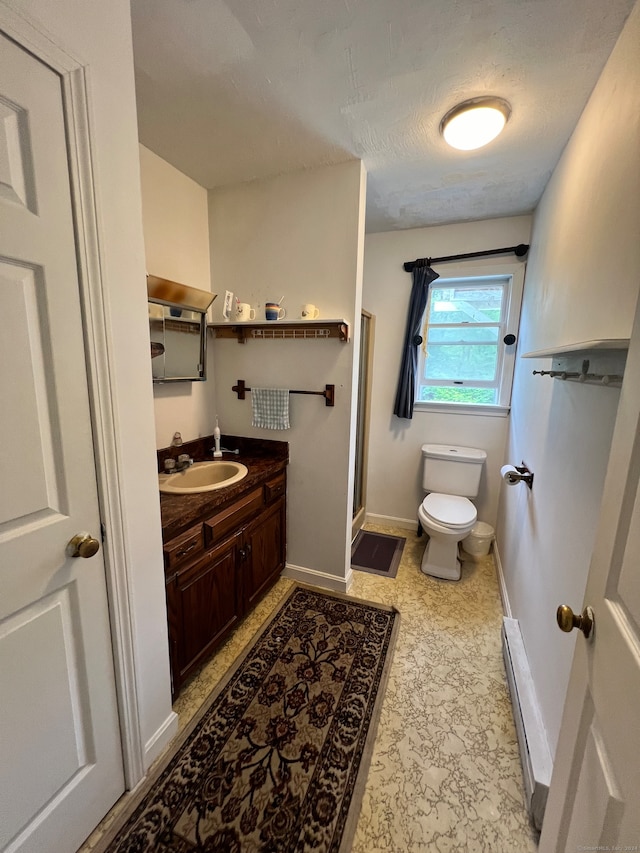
x=365, y=377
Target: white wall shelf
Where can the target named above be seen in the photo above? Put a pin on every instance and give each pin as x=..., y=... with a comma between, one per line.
x=598, y=362
x=282, y=330
x=621, y=344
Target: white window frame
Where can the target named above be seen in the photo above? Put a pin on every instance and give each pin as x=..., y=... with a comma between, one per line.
x=514, y=273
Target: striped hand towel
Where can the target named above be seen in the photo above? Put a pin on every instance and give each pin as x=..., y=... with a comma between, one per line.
x=270, y=407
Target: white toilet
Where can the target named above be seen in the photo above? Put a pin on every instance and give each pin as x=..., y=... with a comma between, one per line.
x=451, y=475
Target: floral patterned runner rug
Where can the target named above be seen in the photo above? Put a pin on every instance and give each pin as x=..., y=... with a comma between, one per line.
x=277, y=760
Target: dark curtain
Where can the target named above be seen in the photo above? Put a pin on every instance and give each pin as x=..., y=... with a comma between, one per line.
x=422, y=278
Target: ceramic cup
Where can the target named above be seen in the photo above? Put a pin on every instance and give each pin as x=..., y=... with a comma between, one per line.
x=272, y=311
x=245, y=312
x=310, y=312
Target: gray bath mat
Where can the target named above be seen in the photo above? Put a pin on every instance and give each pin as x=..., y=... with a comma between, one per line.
x=377, y=553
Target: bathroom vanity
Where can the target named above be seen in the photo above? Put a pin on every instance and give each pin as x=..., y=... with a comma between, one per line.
x=223, y=549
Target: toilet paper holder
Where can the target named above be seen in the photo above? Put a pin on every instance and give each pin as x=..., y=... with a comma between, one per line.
x=520, y=474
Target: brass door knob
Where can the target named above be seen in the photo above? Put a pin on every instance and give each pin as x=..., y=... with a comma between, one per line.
x=568, y=620
x=83, y=545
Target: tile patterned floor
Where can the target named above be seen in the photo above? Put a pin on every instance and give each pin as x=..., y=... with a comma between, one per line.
x=445, y=774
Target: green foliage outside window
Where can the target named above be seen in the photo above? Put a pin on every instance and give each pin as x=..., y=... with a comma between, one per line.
x=462, y=359
x=467, y=362
x=458, y=395
x=462, y=343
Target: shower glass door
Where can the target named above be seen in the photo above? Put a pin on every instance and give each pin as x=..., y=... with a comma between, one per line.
x=362, y=422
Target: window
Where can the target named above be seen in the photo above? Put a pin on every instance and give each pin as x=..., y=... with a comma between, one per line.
x=463, y=360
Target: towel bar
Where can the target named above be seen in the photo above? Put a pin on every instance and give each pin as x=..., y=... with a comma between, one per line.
x=329, y=392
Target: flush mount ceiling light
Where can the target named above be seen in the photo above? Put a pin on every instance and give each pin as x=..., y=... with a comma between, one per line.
x=475, y=122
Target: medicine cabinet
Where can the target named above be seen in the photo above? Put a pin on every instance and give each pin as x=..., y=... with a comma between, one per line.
x=177, y=329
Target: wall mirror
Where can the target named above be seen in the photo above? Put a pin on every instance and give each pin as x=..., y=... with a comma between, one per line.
x=178, y=330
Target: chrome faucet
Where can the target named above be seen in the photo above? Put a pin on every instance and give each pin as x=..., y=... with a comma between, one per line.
x=184, y=461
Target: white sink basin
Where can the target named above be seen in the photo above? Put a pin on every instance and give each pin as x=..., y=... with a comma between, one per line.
x=203, y=477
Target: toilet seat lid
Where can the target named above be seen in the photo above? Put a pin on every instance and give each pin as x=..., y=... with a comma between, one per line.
x=450, y=510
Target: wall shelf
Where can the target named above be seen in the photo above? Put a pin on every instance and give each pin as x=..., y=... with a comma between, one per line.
x=621, y=344
x=283, y=330
x=598, y=362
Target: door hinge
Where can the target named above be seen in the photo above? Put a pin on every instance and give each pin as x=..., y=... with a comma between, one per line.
x=103, y=531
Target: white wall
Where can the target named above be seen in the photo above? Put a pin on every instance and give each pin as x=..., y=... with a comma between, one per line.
x=99, y=36
x=394, y=470
x=299, y=236
x=175, y=221
x=582, y=284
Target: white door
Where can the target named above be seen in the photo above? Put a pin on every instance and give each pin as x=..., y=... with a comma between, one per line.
x=60, y=750
x=594, y=797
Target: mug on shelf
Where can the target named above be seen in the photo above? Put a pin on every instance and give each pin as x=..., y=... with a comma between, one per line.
x=310, y=312
x=245, y=312
x=272, y=311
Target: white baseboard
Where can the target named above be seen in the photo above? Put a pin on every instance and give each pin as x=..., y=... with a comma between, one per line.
x=316, y=578
x=392, y=521
x=504, y=595
x=535, y=755
x=160, y=740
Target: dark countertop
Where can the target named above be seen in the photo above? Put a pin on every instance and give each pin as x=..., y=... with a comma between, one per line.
x=263, y=458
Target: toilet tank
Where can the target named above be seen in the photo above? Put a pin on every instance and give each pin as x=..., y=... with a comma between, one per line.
x=452, y=470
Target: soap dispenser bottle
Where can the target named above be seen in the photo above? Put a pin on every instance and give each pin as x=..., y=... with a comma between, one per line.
x=217, y=453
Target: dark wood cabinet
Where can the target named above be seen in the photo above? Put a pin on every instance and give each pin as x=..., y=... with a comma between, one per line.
x=263, y=545
x=218, y=569
x=202, y=606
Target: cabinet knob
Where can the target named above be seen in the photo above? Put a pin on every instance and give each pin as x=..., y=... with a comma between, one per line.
x=186, y=550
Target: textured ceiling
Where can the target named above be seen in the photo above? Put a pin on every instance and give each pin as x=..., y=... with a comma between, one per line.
x=233, y=91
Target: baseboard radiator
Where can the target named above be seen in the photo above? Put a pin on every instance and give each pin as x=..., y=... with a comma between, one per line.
x=534, y=749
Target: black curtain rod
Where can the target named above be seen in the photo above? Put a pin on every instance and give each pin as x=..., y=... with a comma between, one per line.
x=520, y=251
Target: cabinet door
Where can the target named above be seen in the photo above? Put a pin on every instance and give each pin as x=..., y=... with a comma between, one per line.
x=264, y=553
x=203, y=607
